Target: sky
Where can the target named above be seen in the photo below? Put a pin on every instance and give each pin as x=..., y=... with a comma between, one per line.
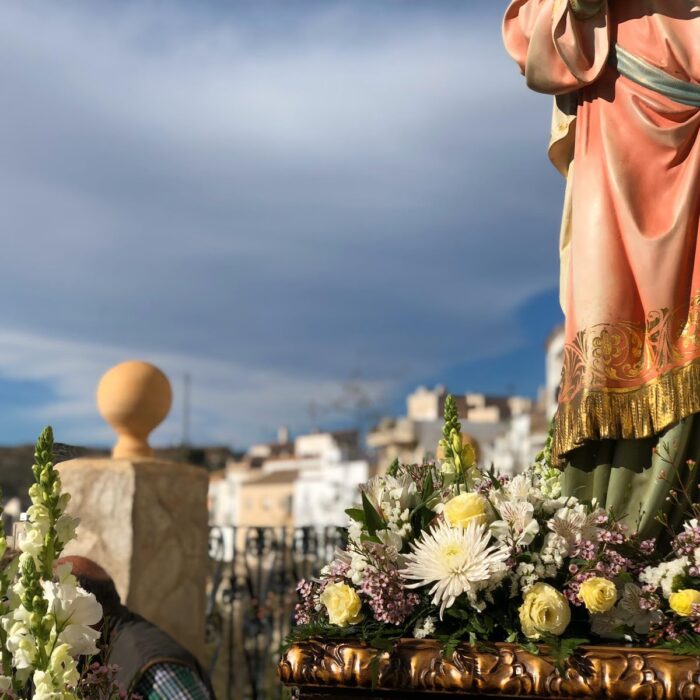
x=276, y=197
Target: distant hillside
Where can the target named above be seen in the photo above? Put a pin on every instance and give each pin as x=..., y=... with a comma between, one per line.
x=16, y=462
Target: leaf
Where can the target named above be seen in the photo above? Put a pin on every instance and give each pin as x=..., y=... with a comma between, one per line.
x=357, y=514
x=531, y=647
x=383, y=643
x=450, y=647
x=460, y=614
x=373, y=520
x=687, y=645
x=428, y=487
x=562, y=649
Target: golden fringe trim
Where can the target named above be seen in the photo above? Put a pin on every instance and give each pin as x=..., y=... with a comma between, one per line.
x=600, y=414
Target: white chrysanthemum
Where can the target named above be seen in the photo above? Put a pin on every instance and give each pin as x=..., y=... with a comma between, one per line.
x=456, y=561
x=517, y=524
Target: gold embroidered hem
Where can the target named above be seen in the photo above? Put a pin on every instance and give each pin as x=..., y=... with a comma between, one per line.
x=628, y=413
x=629, y=379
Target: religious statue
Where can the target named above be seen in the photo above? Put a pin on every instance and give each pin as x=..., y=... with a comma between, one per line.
x=626, y=135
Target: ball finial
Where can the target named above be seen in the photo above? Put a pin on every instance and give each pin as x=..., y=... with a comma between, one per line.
x=134, y=398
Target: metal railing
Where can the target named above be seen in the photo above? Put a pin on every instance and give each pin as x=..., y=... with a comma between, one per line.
x=251, y=598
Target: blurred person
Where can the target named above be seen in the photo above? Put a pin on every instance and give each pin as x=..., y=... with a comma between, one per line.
x=151, y=664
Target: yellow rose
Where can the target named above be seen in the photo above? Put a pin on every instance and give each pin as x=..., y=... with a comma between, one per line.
x=465, y=508
x=682, y=602
x=544, y=610
x=342, y=603
x=598, y=594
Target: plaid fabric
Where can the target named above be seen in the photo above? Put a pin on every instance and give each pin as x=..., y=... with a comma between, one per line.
x=165, y=681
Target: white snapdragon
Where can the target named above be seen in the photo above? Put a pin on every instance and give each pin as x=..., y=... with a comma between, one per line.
x=66, y=526
x=61, y=675
x=32, y=541
x=20, y=641
x=75, y=612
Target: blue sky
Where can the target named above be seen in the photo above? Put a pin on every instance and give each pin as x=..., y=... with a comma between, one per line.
x=272, y=196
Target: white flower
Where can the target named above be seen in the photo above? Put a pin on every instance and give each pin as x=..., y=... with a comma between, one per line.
x=355, y=531
x=456, y=561
x=554, y=549
x=31, y=541
x=65, y=528
x=424, y=628
x=519, y=488
x=20, y=641
x=574, y=524
x=358, y=564
x=62, y=675
x=392, y=540
x=662, y=576
x=517, y=524
x=387, y=493
x=75, y=611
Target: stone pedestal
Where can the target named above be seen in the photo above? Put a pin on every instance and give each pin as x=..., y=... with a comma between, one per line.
x=145, y=522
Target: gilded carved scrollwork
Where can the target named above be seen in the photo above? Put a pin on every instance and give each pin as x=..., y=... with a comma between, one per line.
x=614, y=673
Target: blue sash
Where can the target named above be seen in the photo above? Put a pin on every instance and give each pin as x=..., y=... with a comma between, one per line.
x=639, y=71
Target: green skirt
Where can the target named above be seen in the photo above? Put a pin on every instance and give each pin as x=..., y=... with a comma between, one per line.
x=646, y=482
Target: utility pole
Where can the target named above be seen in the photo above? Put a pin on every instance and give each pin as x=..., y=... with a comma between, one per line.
x=185, y=442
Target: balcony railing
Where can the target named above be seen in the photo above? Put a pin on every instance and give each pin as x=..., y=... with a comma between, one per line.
x=253, y=576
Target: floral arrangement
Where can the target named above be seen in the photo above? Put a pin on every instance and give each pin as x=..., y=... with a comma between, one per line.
x=450, y=551
x=47, y=622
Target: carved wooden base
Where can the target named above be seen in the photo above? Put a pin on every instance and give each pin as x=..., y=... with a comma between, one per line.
x=415, y=668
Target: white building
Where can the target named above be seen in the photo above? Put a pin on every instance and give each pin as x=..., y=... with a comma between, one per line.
x=309, y=482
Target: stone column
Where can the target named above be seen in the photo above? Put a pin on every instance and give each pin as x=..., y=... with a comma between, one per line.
x=144, y=520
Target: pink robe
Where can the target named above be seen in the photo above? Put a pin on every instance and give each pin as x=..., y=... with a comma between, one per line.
x=630, y=259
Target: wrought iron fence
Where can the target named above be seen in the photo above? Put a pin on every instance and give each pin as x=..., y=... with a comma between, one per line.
x=253, y=576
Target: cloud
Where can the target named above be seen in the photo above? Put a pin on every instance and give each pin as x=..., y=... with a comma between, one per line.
x=279, y=196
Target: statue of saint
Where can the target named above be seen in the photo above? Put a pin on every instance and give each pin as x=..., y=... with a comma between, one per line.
x=626, y=134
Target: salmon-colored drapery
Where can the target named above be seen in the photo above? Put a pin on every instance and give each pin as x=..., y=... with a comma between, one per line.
x=630, y=259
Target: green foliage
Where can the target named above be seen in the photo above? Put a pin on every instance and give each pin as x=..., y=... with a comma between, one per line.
x=357, y=514
x=687, y=645
x=373, y=521
x=561, y=649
